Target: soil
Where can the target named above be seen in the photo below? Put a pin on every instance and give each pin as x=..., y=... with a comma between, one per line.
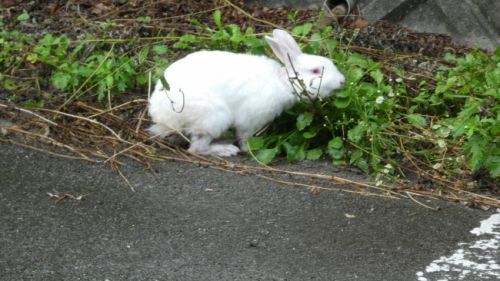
x=74, y=17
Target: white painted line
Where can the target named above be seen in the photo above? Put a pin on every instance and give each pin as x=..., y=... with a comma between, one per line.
x=477, y=260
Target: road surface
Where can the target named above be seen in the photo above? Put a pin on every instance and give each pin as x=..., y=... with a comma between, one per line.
x=196, y=223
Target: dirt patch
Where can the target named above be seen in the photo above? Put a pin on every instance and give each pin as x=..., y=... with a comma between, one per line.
x=72, y=18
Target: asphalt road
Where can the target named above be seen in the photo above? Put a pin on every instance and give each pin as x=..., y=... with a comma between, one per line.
x=195, y=223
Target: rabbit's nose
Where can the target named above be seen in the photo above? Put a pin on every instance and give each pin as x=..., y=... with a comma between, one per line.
x=342, y=83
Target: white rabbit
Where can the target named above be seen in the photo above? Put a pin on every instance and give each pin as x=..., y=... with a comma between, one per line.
x=212, y=91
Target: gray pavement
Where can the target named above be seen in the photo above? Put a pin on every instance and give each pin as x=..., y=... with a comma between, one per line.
x=195, y=223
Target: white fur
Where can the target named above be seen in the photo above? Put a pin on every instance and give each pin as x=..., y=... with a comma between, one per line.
x=212, y=91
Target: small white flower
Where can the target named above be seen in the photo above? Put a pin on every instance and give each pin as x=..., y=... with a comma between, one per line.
x=387, y=168
x=436, y=166
x=441, y=143
x=379, y=100
x=399, y=79
x=379, y=183
x=391, y=95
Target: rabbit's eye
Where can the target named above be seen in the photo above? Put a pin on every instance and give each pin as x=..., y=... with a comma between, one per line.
x=316, y=71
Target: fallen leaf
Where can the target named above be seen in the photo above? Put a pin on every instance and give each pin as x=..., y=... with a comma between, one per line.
x=359, y=23
x=349, y=216
x=101, y=9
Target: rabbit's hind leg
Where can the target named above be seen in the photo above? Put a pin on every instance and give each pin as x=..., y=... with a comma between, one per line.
x=202, y=144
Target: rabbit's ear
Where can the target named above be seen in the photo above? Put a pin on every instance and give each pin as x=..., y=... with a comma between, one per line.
x=277, y=49
x=287, y=42
x=284, y=47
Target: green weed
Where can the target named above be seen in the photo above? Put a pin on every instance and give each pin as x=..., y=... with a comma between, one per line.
x=377, y=122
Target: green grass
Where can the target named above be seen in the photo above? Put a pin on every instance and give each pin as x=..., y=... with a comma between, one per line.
x=386, y=121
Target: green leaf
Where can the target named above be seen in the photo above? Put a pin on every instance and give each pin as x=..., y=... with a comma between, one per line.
x=368, y=89
x=143, y=55
x=355, y=156
x=266, y=155
x=164, y=83
x=160, y=49
x=336, y=143
x=450, y=57
x=316, y=37
x=142, y=79
x=218, y=19
x=359, y=161
x=110, y=81
x=307, y=28
x=314, y=154
x=493, y=165
x=302, y=30
x=470, y=109
x=417, y=119
x=342, y=93
x=495, y=93
x=189, y=38
x=362, y=164
x=355, y=134
x=294, y=152
x=304, y=120
x=254, y=43
x=355, y=74
x=342, y=102
x=256, y=143
x=436, y=100
x=145, y=19
x=309, y=134
x=197, y=22
x=475, y=151
x=495, y=129
x=23, y=17
x=359, y=60
x=336, y=148
x=61, y=80
x=377, y=75
x=186, y=40
x=34, y=103
x=77, y=50
x=338, y=163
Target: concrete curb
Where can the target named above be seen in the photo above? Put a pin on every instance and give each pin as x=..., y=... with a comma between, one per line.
x=472, y=23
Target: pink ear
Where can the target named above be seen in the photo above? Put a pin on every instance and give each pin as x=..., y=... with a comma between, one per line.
x=284, y=47
x=286, y=41
x=277, y=50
